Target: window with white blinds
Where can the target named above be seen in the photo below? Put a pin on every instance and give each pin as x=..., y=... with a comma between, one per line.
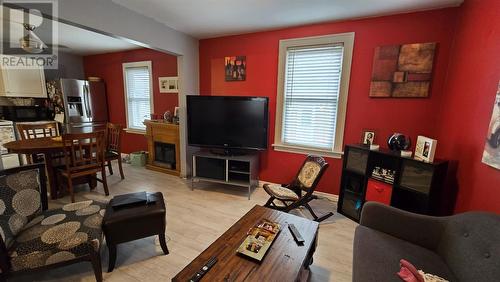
x=313, y=93
x=139, y=101
x=312, y=82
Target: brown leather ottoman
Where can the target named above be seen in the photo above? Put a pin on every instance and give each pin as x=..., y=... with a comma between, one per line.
x=135, y=222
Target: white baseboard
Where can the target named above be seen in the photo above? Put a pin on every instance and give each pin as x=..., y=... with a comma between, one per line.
x=329, y=196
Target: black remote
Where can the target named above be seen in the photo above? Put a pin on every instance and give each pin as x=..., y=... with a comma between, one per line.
x=204, y=269
x=296, y=234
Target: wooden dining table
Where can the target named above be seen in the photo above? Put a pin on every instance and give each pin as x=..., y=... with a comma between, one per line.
x=48, y=146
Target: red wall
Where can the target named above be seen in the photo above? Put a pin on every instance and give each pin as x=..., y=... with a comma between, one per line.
x=467, y=105
x=109, y=67
x=409, y=116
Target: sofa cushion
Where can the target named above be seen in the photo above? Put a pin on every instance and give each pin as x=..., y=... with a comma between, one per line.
x=58, y=235
x=377, y=256
x=280, y=192
x=471, y=247
x=20, y=202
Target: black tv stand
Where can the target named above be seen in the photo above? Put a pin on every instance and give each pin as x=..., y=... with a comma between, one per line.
x=229, y=152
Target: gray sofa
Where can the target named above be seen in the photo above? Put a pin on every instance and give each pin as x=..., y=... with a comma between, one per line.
x=462, y=247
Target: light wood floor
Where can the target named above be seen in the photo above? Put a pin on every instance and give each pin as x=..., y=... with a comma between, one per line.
x=194, y=220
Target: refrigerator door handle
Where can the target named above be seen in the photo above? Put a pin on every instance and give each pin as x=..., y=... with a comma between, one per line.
x=87, y=104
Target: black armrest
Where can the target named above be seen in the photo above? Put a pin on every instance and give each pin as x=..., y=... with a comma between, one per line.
x=422, y=230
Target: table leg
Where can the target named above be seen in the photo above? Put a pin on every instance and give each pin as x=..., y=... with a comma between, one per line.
x=163, y=243
x=310, y=255
x=112, y=257
x=51, y=176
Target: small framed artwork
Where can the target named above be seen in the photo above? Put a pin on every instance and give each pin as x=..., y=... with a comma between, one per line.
x=425, y=149
x=368, y=137
x=235, y=68
x=169, y=84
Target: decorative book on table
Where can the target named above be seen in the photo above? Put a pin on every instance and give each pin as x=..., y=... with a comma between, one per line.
x=259, y=239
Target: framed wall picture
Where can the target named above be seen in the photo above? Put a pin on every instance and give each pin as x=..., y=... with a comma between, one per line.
x=169, y=84
x=425, y=149
x=368, y=137
x=402, y=71
x=235, y=68
x=491, y=153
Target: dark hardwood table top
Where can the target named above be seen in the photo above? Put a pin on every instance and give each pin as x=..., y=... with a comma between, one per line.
x=35, y=146
x=283, y=261
x=44, y=144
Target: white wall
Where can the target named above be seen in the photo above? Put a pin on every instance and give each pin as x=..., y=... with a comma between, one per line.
x=108, y=17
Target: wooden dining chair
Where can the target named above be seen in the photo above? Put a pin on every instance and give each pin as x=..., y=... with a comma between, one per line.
x=113, y=146
x=84, y=156
x=37, y=130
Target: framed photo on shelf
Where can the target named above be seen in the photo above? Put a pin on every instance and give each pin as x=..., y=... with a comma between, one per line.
x=368, y=137
x=169, y=84
x=425, y=149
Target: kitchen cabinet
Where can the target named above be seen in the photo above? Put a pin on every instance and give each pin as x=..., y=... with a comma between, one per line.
x=28, y=82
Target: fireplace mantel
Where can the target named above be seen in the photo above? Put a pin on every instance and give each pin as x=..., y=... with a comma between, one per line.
x=163, y=132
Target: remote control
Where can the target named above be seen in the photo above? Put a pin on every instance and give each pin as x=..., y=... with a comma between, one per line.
x=296, y=234
x=204, y=269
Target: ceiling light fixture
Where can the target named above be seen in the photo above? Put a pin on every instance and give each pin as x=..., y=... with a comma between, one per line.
x=30, y=42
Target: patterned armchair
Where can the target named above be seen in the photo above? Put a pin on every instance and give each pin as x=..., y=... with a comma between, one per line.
x=300, y=191
x=33, y=238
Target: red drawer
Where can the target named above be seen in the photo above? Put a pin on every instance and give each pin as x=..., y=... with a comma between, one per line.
x=378, y=191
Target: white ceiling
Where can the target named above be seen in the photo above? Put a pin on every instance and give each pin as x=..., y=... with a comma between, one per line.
x=71, y=39
x=212, y=18
x=84, y=42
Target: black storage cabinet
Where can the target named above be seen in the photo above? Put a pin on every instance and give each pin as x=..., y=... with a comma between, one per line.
x=418, y=186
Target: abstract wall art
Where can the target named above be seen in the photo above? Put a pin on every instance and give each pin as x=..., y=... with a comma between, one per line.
x=235, y=68
x=402, y=71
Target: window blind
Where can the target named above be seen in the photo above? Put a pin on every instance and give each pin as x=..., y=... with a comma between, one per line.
x=138, y=96
x=311, y=94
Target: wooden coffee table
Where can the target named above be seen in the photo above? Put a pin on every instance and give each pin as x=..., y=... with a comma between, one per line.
x=284, y=261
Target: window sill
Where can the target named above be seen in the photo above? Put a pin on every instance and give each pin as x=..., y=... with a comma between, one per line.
x=135, y=131
x=305, y=150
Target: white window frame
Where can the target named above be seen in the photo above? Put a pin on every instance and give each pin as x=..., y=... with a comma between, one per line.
x=348, y=41
x=147, y=64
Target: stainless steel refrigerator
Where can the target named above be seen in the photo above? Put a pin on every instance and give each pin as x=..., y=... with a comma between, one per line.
x=85, y=105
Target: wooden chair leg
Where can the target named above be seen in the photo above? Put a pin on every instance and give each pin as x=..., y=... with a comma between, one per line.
x=120, y=167
x=268, y=203
x=110, y=167
x=311, y=211
x=104, y=181
x=95, y=259
x=70, y=188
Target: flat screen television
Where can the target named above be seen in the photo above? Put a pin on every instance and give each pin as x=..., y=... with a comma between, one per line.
x=228, y=122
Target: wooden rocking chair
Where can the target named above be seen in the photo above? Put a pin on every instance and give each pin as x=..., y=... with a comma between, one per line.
x=300, y=191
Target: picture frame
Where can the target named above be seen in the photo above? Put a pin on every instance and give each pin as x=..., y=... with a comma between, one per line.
x=259, y=240
x=235, y=68
x=368, y=137
x=168, y=84
x=425, y=149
